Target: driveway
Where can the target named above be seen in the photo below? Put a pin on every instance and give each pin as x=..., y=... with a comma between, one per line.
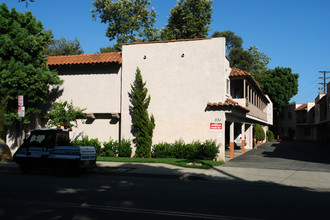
x=300, y=164
x=303, y=156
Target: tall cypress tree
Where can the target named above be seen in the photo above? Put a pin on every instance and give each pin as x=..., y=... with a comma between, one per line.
x=142, y=124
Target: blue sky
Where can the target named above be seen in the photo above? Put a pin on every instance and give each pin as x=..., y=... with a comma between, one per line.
x=293, y=33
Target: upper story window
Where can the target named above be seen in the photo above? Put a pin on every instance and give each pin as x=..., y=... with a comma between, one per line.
x=227, y=87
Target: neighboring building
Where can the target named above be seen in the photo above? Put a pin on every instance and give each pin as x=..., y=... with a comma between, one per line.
x=195, y=95
x=309, y=121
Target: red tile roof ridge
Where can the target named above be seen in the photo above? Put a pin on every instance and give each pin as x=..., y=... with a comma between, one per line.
x=227, y=102
x=302, y=107
x=113, y=57
x=239, y=72
x=168, y=41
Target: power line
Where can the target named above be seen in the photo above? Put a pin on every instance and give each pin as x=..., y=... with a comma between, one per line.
x=324, y=77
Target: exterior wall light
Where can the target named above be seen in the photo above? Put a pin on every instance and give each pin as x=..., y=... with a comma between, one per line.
x=145, y=57
x=182, y=55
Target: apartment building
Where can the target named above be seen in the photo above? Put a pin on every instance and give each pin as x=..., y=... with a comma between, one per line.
x=308, y=121
x=195, y=94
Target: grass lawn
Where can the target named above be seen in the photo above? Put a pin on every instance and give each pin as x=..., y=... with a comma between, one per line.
x=201, y=164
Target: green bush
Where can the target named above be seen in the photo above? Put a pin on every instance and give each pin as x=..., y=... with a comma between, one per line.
x=195, y=150
x=259, y=132
x=162, y=150
x=124, y=148
x=85, y=141
x=208, y=150
x=270, y=135
x=109, y=149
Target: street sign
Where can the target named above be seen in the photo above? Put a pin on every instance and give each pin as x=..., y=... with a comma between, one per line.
x=21, y=111
x=217, y=127
x=20, y=100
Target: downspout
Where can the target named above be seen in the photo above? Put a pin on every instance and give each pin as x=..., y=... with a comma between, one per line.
x=121, y=102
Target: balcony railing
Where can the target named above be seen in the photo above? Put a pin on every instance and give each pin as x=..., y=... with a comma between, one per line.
x=254, y=110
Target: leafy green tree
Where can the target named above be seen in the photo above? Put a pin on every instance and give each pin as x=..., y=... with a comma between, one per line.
x=114, y=48
x=62, y=47
x=128, y=20
x=232, y=40
x=23, y=69
x=26, y=2
x=281, y=85
x=64, y=113
x=3, y=107
x=241, y=59
x=142, y=124
x=188, y=19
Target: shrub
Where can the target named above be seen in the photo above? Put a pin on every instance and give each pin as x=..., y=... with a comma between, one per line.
x=270, y=135
x=85, y=141
x=259, y=133
x=124, y=148
x=162, y=150
x=195, y=150
x=208, y=150
x=110, y=149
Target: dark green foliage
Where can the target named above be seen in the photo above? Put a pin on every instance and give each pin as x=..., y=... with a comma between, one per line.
x=270, y=135
x=162, y=150
x=64, y=113
x=23, y=69
x=188, y=19
x=232, y=40
x=85, y=141
x=142, y=124
x=195, y=150
x=259, y=133
x=63, y=47
x=109, y=149
x=114, y=48
x=128, y=21
x=281, y=85
x=241, y=59
x=124, y=148
x=3, y=107
x=113, y=149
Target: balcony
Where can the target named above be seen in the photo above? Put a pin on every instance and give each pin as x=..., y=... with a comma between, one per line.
x=254, y=110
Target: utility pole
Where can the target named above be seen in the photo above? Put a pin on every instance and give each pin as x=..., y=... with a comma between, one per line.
x=324, y=77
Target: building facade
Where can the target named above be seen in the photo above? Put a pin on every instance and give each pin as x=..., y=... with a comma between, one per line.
x=195, y=95
x=308, y=121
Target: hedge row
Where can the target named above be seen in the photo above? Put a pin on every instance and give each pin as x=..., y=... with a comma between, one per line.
x=207, y=150
x=111, y=148
x=195, y=150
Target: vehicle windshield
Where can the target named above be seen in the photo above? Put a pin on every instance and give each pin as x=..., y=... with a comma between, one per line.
x=41, y=140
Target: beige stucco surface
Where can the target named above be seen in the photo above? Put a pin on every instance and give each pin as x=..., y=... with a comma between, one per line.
x=182, y=77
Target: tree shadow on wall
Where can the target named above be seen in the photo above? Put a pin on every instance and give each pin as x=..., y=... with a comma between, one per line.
x=36, y=120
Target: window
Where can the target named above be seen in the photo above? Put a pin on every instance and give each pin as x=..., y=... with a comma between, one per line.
x=227, y=86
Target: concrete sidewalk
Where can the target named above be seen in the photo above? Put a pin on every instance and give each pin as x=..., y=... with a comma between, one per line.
x=297, y=178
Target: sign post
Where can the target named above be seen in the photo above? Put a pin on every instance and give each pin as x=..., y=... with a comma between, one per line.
x=21, y=115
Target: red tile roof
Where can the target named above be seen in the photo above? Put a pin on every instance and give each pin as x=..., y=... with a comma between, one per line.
x=238, y=72
x=229, y=103
x=241, y=73
x=167, y=41
x=85, y=59
x=303, y=107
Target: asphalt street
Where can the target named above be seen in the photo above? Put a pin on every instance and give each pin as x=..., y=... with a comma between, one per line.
x=126, y=191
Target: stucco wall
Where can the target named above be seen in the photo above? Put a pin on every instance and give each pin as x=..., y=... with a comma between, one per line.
x=182, y=77
x=96, y=88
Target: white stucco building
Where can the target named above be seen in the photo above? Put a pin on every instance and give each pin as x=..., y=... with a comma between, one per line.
x=195, y=95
